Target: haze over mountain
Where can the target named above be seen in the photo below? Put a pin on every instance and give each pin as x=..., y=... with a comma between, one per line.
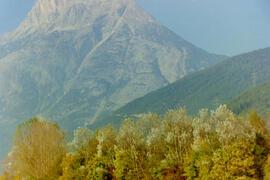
x=226, y=27
x=205, y=89
x=74, y=62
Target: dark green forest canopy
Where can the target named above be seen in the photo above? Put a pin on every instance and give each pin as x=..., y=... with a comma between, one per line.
x=257, y=98
x=205, y=89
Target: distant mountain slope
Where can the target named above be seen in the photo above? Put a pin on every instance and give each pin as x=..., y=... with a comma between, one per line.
x=74, y=62
x=257, y=98
x=205, y=89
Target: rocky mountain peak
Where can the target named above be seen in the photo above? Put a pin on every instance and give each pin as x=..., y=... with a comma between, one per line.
x=51, y=15
x=71, y=12
x=64, y=15
x=75, y=61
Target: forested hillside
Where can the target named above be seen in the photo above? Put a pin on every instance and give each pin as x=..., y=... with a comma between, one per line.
x=257, y=99
x=100, y=90
x=205, y=89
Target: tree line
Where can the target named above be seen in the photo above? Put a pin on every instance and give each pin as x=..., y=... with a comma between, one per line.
x=211, y=145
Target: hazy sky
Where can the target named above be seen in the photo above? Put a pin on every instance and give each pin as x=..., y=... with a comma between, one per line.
x=219, y=26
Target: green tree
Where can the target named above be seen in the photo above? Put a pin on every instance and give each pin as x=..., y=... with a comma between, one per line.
x=238, y=160
x=131, y=152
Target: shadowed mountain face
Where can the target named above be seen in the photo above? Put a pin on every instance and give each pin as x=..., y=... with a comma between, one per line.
x=205, y=89
x=74, y=62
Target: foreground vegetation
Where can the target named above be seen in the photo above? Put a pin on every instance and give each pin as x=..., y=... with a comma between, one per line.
x=215, y=145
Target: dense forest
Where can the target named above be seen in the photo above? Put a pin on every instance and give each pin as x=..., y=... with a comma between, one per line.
x=211, y=145
x=257, y=98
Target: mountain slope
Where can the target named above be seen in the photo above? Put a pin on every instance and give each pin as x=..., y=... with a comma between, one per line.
x=74, y=62
x=257, y=98
x=205, y=89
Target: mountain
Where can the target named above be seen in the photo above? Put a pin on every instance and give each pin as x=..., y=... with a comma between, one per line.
x=258, y=98
x=204, y=89
x=227, y=21
x=74, y=62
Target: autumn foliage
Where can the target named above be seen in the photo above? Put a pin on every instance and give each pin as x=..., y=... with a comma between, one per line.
x=212, y=145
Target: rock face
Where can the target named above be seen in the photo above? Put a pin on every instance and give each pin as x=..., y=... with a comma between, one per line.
x=208, y=89
x=75, y=61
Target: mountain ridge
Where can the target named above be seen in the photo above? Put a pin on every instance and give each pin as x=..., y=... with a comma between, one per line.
x=204, y=89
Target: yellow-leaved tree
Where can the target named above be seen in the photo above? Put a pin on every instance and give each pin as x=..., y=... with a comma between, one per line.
x=37, y=152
